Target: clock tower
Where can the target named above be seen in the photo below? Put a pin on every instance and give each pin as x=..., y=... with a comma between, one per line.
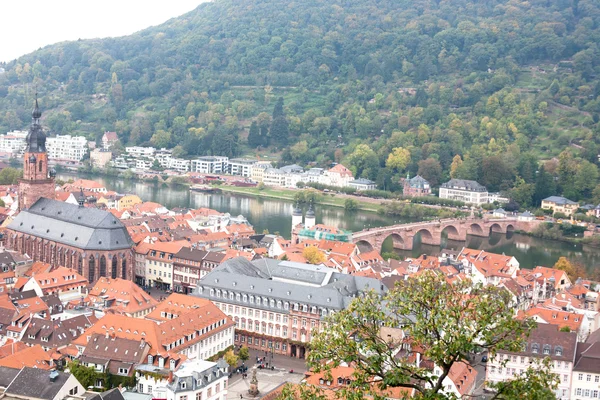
x=37, y=180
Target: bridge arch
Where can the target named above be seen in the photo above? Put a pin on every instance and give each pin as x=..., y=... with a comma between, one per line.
x=453, y=233
x=476, y=229
x=364, y=246
x=428, y=238
x=496, y=228
x=397, y=241
x=510, y=228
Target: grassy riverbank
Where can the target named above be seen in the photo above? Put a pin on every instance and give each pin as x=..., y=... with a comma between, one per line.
x=333, y=200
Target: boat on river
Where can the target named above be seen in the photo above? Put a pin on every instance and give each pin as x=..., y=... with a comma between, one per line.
x=205, y=189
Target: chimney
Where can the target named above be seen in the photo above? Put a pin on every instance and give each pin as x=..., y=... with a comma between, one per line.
x=170, y=377
x=106, y=335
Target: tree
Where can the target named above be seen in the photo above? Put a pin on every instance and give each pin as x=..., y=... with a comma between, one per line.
x=231, y=358
x=455, y=166
x=244, y=353
x=313, y=255
x=431, y=170
x=573, y=270
x=567, y=168
x=522, y=192
x=280, y=130
x=544, y=186
x=254, y=138
x=363, y=162
x=85, y=375
x=398, y=159
x=586, y=178
x=445, y=323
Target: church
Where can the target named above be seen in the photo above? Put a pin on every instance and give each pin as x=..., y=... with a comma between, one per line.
x=92, y=242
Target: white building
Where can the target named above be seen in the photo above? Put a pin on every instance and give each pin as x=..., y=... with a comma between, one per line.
x=178, y=164
x=544, y=341
x=210, y=165
x=137, y=151
x=241, y=166
x=164, y=157
x=193, y=380
x=13, y=142
x=66, y=147
x=274, y=177
x=465, y=191
x=143, y=165
x=362, y=184
x=586, y=374
x=339, y=176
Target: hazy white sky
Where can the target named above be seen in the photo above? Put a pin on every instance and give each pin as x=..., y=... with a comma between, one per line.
x=26, y=25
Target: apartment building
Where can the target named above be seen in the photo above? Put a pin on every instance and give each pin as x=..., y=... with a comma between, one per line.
x=544, y=341
x=559, y=204
x=66, y=147
x=159, y=263
x=241, y=166
x=210, y=165
x=178, y=164
x=190, y=265
x=13, y=142
x=464, y=190
x=277, y=305
x=138, y=151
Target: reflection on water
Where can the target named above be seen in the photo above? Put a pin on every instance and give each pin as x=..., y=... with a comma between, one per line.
x=528, y=250
x=271, y=214
x=275, y=215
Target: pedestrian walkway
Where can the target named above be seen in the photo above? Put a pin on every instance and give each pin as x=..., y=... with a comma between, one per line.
x=267, y=381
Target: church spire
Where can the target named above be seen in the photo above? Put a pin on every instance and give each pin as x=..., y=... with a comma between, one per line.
x=36, y=138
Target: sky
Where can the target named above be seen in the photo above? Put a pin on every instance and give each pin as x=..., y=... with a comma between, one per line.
x=28, y=25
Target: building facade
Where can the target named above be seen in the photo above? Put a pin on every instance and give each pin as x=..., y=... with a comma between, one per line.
x=464, y=190
x=190, y=265
x=210, y=165
x=278, y=305
x=416, y=187
x=560, y=204
x=91, y=241
x=241, y=167
x=67, y=147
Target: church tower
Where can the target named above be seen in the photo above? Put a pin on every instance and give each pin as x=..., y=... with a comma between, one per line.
x=37, y=180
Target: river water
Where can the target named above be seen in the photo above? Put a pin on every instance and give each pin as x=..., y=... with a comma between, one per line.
x=275, y=216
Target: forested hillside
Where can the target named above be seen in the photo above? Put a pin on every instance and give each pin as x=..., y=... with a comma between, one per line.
x=476, y=89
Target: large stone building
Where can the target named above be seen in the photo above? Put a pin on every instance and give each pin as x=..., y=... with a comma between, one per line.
x=278, y=305
x=464, y=190
x=92, y=242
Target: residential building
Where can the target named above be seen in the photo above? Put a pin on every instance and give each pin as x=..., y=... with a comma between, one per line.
x=192, y=379
x=13, y=142
x=85, y=185
x=31, y=357
x=544, y=341
x=55, y=334
x=108, y=140
x=559, y=204
x=64, y=282
x=416, y=187
x=339, y=176
x=128, y=201
x=362, y=184
x=586, y=372
x=39, y=384
x=164, y=156
x=560, y=318
x=274, y=177
x=143, y=165
x=118, y=296
x=241, y=166
x=114, y=355
x=257, y=171
x=159, y=263
x=464, y=190
x=92, y=242
x=190, y=265
x=100, y=157
x=210, y=165
x=195, y=329
x=139, y=152
x=67, y=147
x=179, y=164
x=488, y=268
x=495, y=197
x=277, y=305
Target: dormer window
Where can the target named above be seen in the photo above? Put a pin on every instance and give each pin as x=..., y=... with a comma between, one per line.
x=150, y=359
x=546, y=349
x=535, y=348
x=558, y=351
x=183, y=384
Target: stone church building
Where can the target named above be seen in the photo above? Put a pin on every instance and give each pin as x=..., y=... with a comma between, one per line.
x=93, y=242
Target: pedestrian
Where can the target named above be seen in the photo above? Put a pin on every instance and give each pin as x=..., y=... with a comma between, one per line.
x=241, y=396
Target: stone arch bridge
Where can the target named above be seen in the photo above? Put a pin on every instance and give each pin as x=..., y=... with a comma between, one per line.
x=431, y=231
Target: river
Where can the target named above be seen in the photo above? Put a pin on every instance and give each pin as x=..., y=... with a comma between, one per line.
x=275, y=216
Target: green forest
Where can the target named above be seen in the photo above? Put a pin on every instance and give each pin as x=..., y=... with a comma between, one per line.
x=504, y=92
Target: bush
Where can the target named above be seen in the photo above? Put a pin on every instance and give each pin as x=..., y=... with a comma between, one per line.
x=559, y=215
x=350, y=205
x=261, y=186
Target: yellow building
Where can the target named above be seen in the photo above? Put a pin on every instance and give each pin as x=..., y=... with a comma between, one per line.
x=560, y=204
x=128, y=201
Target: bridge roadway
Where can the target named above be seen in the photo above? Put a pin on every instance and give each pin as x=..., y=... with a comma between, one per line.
x=431, y=231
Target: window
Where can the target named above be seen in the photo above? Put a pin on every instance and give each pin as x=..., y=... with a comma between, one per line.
x=588, y=378
x=597, y=378
x=199, y=396
x=565, y=378
x=150, y=389
x=558, y=351
x=535, y=348
x=182, y=397
x=183, y=384
x=546, y=349
x=218, y=388
x=209, y=392
x=595, y=394
x=587, y=393
x=123, y=371
x=73, y=391
x=578, y=392
x=580, y=377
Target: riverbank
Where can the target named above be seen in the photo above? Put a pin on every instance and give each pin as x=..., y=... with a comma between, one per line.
x=331, y=199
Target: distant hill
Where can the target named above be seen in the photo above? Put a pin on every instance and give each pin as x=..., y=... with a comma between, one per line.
x=445, y=75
